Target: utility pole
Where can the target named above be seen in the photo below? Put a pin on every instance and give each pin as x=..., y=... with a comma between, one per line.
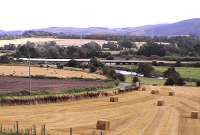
x=29, y=70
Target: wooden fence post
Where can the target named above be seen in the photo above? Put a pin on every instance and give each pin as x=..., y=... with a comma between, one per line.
x=1, y=128
x=70, y=131
x=17, y=127
x=44, y=128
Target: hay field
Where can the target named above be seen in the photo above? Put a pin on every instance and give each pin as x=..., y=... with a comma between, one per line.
x=9, y=70
x=64, y=42
x=136, y=113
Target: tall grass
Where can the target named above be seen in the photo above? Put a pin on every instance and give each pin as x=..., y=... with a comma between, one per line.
x=17, y=130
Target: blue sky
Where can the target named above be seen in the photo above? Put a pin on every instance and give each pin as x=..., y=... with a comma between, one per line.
x=30, y=14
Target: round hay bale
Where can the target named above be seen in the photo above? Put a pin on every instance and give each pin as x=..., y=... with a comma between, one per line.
x=113, y=99
x=103, y=125
x=160, y=103
x=171, y=93
x=154, y=92
x=194, y=114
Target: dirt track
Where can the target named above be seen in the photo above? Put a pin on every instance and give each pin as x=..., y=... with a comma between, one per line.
x=136, y=113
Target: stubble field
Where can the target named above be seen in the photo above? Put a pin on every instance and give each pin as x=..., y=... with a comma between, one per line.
x=64, y=42
x=23, y=71
x=136, y=113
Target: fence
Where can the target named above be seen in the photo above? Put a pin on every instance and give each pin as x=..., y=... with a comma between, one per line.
x=33, y=130
x=16, y=130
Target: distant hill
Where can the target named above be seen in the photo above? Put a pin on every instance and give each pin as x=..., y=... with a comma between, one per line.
x=186, y=27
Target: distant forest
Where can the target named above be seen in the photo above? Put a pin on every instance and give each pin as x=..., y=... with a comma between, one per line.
x=156, y=47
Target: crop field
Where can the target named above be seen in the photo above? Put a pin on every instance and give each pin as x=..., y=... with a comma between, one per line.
x=136, y=113
x=22, y=71
x=64, y=42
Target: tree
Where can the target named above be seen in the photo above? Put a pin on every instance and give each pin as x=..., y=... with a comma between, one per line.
x=171, y=72
x=60, y=66
x=198, y=83
x=73, y=63
x=92, y=46
x=170, y=81
x=145, y=69
x=96, y=63
x=120, y=77
x=92, y=68
x=135, y=79
x=126, y=44
x=4, y=59
x=178, y=63
x=111, y=46
x=152, y=48
x=174, y=77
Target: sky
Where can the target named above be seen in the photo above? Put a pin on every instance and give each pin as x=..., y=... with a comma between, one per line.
x=32, y=14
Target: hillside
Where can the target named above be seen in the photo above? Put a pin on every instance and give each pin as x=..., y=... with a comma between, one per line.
x=186, y=27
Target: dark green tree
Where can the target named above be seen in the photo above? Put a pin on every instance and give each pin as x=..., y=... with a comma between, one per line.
x=145, y=69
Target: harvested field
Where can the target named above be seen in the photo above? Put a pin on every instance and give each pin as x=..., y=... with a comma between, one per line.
x=16, y=84
x=136, y=113
x=64, y=42
x=48, y=72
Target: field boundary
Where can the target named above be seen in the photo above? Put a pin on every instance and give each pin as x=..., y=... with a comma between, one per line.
x=58, y=98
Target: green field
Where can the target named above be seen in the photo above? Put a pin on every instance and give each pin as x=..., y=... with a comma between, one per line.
x=148, y=81
x=185, y=72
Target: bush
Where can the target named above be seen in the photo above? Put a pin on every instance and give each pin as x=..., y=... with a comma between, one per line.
x=109, y=72
x=178, y=63
x=145, y=69
x=116, y=82
x=60, y=66
x=73, y=63
x=174, y=77
x=120, y=77
x=110, y=58
x=170, y=81
x=171, y=72
x=135, y=79
x=96, y=63
x=4, y=59
x=198, y=83
x=92, y=68
x=154, y=63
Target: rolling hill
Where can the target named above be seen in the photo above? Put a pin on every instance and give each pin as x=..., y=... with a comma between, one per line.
x=186, y=27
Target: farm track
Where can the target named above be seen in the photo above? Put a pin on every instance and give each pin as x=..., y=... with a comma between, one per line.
x=136, y=113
